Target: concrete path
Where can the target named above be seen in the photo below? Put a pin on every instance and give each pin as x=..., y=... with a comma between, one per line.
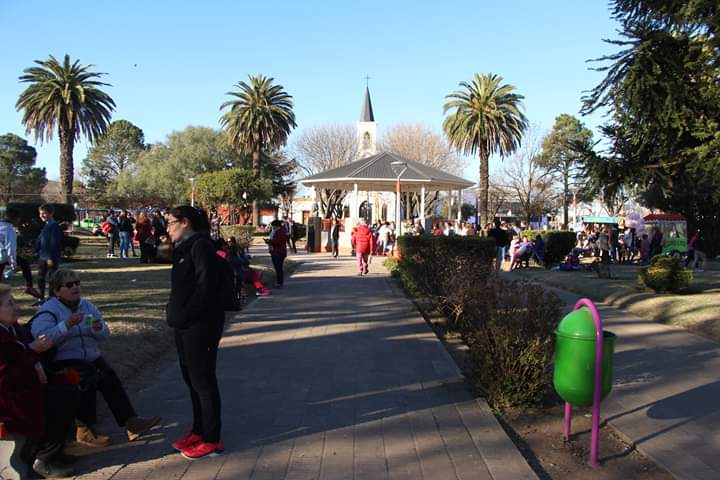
x=333, y=377
x=666, y=394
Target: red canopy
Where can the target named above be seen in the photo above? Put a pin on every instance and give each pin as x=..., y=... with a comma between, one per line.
x=664, y=217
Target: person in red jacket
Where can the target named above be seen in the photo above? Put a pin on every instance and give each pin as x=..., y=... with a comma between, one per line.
x=30, y=405
x=364, y=242
x=277, y=244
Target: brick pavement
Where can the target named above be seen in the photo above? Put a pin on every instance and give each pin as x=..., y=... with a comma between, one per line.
x=333, y=377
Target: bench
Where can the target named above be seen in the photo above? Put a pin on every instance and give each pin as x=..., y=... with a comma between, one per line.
x=11, y=465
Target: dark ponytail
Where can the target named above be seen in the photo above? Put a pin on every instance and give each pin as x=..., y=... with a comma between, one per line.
x=197, y=217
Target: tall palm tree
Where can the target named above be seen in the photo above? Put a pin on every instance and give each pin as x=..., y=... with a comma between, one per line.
x=65, y=97
x=487, y=118
x=259, y=120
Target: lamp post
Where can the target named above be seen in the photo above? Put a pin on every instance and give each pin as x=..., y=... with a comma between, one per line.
x=192, y=191
x=398, y=169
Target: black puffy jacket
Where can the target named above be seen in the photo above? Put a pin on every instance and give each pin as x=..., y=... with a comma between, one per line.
x=194, y=293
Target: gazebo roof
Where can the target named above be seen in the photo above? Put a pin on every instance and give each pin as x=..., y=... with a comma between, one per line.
x=375, y=174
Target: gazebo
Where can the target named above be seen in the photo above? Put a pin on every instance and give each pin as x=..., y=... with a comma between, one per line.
x=387, y=172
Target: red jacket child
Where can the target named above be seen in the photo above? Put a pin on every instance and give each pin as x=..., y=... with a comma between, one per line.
x=362, y=239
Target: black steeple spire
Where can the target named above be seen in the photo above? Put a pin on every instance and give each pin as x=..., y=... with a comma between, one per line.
x=367, y=111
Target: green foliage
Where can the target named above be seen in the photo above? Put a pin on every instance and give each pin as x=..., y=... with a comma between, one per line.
x=17, y=172
x=665, y=274
x=229, y=186
x=508, y=327
x=486, y=118
x=64, y=97
x=511, y=342
x=242, y=233
x=113, y=153
x=558, y=243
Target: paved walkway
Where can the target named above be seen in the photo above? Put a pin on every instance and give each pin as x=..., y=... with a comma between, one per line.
x=666, y=394
x=334, y=377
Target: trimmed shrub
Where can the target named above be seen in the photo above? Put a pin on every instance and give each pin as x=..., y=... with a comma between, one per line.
x=69, y=246
x=30, y=225
x=242, y=233
x=511, y=342
x=665, y=274
x=558, y=243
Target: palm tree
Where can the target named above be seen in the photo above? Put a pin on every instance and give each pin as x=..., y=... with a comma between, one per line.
x=259, y=120
x=67, y=98
x=487, y=119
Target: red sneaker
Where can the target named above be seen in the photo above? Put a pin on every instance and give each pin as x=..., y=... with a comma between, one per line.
x=187, y=442
x=203, y=450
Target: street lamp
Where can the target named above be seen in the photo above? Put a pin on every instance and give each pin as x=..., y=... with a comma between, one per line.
x=398, y=169
x=192, y=191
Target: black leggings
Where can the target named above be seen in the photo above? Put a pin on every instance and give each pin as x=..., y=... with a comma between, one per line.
x=197, y=348
x=278, y=261
x=60, y=406
x=44, y=274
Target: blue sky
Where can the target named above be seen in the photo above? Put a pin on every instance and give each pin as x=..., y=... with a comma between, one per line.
x=170, y=63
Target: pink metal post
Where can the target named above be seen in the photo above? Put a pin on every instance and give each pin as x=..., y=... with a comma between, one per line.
x=597, y=392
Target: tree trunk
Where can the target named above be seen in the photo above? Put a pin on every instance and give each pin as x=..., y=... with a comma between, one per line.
x=67, y=170
x=566, y=194
x=258, y=173
x=484, y=191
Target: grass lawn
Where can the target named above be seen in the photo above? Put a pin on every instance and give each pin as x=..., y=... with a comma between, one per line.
x=696, y=310
x=131, y=296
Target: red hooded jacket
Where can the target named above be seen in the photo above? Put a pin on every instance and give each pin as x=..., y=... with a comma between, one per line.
x=363, y=239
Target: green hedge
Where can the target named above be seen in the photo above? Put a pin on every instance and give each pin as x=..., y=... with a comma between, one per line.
x=558, y=243
x=452, y=245
x=665, y=274
x=30, y=225
x=242, y=233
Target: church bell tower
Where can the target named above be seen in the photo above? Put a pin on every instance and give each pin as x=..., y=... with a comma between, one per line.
x=367, y=129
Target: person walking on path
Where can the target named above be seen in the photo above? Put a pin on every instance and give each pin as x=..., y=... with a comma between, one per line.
x=8, y=251
x=48, y=247
x=335, y=237
x=125, y=229
x=197, y=317
x=500, y=242
x=110, y=229
x=277, y=245
x=362, y=240
x=697, y=244
x=291, y=234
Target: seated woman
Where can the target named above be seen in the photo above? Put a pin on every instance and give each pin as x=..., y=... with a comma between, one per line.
x=31, y=406
x=76, y=327
x=240, y=261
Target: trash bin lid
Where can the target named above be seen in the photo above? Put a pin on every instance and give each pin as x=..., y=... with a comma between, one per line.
x=577, y=324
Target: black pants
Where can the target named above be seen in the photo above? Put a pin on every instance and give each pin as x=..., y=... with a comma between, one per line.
x=44, y=273
x=145, y=252
x=291, y=244
x=60, y=410
x=335, y=245
x=197, y=348
x=111, y=244
x=278, y=261
x=24, y=268
x=108, y=384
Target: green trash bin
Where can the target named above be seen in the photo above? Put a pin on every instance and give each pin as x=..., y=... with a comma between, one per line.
x=574, y=374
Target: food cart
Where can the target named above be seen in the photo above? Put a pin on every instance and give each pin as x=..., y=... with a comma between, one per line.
x=673, y=228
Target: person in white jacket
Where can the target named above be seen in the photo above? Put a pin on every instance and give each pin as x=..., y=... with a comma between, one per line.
x=8, y=251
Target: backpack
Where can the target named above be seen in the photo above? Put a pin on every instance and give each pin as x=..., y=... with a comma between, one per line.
x=228, y=294
x=106, y=227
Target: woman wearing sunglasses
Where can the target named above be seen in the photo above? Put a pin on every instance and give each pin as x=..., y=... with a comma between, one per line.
x=76, y=327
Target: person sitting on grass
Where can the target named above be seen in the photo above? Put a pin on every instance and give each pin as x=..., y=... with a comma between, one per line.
x=76, y=327
x=538, y=250
x=33, y=404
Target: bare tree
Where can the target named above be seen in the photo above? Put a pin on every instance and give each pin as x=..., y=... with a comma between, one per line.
x=527, y=181
x=418, y=142
x=323, y=148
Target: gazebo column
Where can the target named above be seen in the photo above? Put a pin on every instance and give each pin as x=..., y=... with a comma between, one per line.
x=459, y=205
x=354, y=214
x=451, y=200
x=422, y=206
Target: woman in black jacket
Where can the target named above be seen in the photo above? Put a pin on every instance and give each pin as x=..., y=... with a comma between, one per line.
x=194, y=312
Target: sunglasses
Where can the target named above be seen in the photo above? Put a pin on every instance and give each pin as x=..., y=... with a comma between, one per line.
x=72, y=284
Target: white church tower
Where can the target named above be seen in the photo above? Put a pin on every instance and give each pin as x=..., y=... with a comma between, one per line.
x=367, y=129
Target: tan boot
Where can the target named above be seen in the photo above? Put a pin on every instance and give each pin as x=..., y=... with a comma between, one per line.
x=137, y=426
x=87, y=435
